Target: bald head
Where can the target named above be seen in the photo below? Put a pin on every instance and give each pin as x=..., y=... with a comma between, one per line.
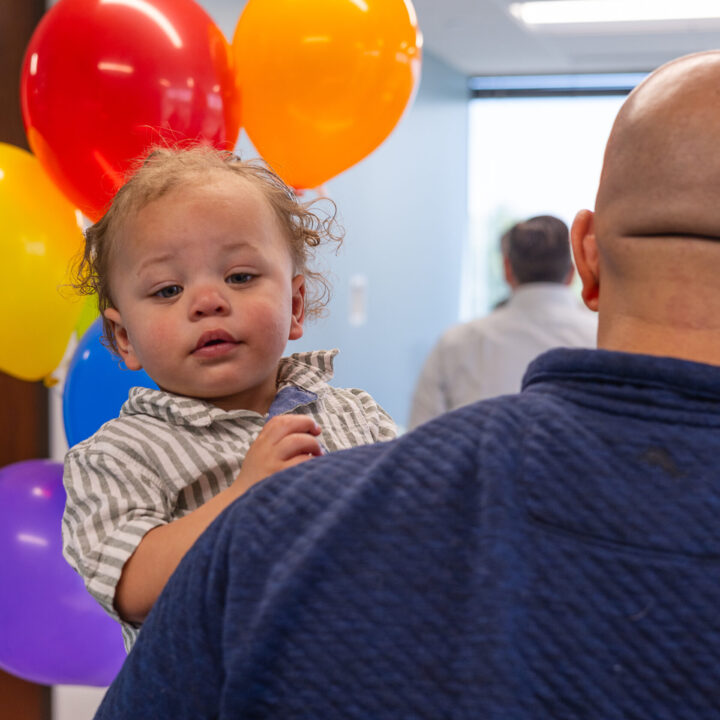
x=661, y=174
x=649, y=257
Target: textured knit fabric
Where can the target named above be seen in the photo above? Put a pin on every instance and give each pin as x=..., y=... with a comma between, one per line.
x=488, y=356
x=166, y=455
x=547, y=556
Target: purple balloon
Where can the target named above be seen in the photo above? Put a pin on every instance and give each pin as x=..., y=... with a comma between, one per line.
x=51, y=630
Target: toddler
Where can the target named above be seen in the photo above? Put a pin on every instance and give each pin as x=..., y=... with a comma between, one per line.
x=200, y=269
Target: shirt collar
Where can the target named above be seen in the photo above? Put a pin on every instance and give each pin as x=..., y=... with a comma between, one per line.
x=307, y=372
x=646, y=382
x=529, y=294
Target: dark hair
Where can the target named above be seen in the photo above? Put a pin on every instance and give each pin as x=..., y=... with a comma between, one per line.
x=538, y=250
x=166, y=168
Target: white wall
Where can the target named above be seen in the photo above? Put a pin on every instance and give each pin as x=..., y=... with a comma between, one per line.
x=404, y=209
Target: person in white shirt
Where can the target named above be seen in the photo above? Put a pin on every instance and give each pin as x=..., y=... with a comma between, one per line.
x=488, y=356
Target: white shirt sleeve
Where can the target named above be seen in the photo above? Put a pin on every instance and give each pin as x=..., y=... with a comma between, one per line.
x=430, y=397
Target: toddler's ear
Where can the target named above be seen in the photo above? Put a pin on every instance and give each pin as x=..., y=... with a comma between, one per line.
x=298, y=307
x=122, y=339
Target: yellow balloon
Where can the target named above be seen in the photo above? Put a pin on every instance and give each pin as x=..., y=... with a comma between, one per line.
x=39, y=237
x=323, y=82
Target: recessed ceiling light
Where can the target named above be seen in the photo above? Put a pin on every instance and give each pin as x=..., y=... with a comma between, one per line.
x=578, y=12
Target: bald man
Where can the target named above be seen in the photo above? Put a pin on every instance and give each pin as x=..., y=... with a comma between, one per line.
x=548, y=555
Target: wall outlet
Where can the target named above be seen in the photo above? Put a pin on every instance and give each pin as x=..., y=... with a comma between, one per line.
x=358, y=300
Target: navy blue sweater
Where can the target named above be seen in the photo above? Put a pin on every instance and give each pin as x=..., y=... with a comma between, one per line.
x=552, y=554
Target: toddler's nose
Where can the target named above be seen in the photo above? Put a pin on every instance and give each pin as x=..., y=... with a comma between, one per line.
x=209, y=301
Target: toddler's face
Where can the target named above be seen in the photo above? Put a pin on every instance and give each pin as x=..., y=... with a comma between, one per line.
x=206, y=298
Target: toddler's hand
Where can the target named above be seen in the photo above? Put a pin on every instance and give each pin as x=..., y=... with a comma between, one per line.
x=286, y=440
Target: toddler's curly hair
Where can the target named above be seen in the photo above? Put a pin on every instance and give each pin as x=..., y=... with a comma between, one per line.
x=165, y=169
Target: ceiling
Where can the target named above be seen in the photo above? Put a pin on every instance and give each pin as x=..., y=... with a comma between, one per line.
x=480, y=37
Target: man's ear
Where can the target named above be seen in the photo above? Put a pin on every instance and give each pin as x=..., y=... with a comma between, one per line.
x=122, y=339
x=585, y=250
x=298, y=307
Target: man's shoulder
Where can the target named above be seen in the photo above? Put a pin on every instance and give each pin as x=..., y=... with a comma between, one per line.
x=425, y=456
x=489, y=333
x=460, y=333
x=370, y=493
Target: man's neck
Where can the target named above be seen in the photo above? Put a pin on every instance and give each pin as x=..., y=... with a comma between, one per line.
x=633, y=335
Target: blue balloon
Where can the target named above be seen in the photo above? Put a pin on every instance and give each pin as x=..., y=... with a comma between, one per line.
x=96, y=386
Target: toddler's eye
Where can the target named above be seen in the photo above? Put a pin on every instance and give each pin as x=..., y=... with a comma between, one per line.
x=169, y=291
x=239, y=278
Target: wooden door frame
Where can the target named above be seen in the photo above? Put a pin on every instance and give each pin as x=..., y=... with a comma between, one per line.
x=24, y=408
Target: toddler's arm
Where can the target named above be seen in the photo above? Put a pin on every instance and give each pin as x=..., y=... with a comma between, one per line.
x=286, y=440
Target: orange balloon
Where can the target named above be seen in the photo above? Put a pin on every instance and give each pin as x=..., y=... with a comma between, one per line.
x=324, y=82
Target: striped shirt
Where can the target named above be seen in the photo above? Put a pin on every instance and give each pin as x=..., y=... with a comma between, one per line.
x=166, y=455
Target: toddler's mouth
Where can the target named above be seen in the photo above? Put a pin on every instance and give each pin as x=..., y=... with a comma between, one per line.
x=212, y=338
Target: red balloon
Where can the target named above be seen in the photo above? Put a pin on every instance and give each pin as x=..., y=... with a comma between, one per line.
x=102, y=80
